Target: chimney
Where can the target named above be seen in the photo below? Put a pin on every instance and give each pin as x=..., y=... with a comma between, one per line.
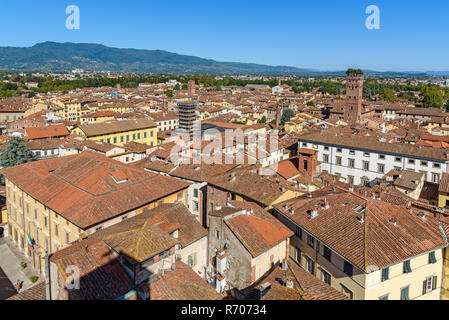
x=326, y=204
x=314, y=212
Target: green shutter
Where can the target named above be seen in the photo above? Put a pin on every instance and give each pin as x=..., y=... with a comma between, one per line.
x=404, y=293
x=424, y=287
x=385, y=274
x=407, y=268
x=432, y=258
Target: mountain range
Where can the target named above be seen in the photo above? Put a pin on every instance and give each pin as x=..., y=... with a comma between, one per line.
x=53, y=56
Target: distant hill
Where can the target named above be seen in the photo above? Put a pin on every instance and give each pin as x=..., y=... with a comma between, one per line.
x=52, y=56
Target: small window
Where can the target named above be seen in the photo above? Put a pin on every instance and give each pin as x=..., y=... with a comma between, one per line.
x=326, y=158
x=381, y=157
x=429, y=284
x=411, y=161
x=407, y=268
x=424, y=163
x=366, y=154
x=339, y=162
x=436, y=165
x=348, y=269
x=325, y=277
x=366, y=165
x=310, y=241
x=385, y=274
x=195, y=193
x=326, y=148
x=298, y=232
x=404, y=293
x=339, y=150
x=397, y=159
x=310, y=265
x=327, y=253
x=351, y=152
x=381, y=168
x=351, y=163
x=432, y=258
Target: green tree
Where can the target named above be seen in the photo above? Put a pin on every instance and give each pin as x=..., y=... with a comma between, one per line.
x=263, y=120
x=388, y=95
x=433, y=98
x=169, y=93
x=16, y=153
x=286, y=116
x=311, y=104
x=447, y=106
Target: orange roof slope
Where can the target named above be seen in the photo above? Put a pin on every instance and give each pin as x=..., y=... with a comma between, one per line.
x=46, y=132
x=82, y=189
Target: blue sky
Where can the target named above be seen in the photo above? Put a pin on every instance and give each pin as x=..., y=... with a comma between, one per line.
x=320, y=34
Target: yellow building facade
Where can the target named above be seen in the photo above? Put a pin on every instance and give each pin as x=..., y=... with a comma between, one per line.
x=51, y=232
x=120, y=132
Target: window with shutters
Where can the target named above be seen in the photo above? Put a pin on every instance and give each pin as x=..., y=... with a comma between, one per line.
x=310, y=241
x=339, y=162
x=67, y=237
x=432, y=258
x=404, y=293
x=429, y=284
x=325, y=277
x=351, y=163
x=406, y=267
x=385, y=274
x=384, y=297
x=192, y=260
x=298, y=232
x=310, y=265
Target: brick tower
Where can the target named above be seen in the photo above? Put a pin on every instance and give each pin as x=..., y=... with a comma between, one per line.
x=354, y=96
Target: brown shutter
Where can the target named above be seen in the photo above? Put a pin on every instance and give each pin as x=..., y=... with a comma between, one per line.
x=424, y=286
x=434, y=282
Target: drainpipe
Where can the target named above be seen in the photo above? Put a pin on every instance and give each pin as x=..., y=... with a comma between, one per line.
x=47, y=278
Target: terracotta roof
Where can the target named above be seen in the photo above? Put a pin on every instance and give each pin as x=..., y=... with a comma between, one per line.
x=101, y=275
x=81, y=187
x=109, y=127
x=251, y=185
x=180, y=284
x=139, y=239
x=46, y=132
x=376, y=241
x=200, y=172
x=310, y=286
x=37, y=293
x=190, y=229
x=258, y=232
